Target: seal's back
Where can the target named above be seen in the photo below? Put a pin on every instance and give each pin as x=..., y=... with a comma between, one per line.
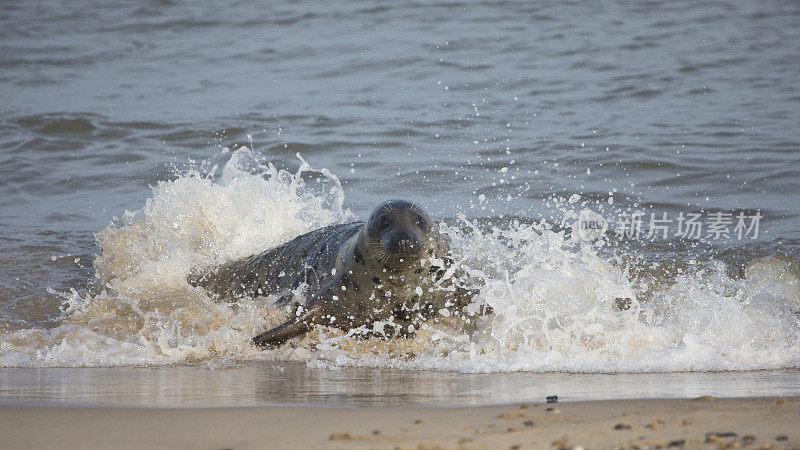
x=307, y=259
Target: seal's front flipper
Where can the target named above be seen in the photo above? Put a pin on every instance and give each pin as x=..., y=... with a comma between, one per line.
x=295, y=326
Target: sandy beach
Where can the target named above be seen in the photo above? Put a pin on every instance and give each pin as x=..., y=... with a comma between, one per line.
x=704, y=422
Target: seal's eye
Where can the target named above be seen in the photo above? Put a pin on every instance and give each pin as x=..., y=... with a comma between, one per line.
x=420, y=222
x=382, y=222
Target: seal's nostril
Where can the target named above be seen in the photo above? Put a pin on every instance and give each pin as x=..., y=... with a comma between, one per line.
x=404, y=242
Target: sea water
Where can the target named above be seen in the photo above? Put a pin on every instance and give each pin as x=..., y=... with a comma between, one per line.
x=141, y=142
x=553, y=295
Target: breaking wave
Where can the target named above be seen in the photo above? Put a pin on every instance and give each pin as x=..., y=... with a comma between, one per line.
x=554, y=297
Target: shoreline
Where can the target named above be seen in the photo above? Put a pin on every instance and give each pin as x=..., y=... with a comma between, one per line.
x=293, y=383
x=704, y=422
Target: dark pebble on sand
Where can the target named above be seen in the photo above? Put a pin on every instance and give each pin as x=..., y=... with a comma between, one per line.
x=622, y=426
x=677, y=443
x=528, y=423
x=782, y=437
x=725, y=438
x=727, y=434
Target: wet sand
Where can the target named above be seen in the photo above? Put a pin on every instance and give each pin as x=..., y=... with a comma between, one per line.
x=271, y=383
x=704, y=422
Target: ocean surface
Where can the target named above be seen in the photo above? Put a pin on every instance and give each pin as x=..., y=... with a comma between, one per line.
x=579, y=156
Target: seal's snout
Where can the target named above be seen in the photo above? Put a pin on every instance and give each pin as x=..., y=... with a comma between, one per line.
x=404, y=243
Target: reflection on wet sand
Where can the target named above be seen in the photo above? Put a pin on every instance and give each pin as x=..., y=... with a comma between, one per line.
x=272, y=383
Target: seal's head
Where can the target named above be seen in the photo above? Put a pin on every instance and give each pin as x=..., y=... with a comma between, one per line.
x=399, y=230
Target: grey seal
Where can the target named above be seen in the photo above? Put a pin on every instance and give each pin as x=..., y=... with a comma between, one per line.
x=390, y=273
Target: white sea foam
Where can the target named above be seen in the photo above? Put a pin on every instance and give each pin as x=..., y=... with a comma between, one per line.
x=553, y=297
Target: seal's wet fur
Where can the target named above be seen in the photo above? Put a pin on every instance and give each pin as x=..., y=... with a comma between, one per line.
x=388, y=274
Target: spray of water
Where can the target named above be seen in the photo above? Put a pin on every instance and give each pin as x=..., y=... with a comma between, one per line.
x=553, y=297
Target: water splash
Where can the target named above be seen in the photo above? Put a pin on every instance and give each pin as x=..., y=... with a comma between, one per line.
x=554, y=297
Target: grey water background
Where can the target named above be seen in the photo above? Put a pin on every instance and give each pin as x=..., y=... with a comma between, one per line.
x=678, y=106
